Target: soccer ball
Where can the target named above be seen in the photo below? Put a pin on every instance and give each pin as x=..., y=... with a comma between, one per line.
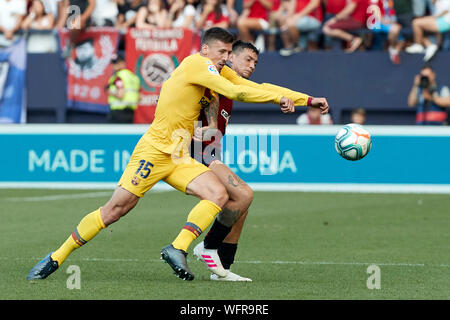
x=353, y=142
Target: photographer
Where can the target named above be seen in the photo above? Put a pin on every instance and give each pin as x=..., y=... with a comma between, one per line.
x=430, y=99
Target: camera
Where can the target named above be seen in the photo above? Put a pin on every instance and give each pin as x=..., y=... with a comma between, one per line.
x=424, y=82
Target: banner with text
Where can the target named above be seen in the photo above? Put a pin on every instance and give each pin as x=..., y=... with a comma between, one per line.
x=13, y=62
x=89, y=68
x=268, y=158
x=152, y=54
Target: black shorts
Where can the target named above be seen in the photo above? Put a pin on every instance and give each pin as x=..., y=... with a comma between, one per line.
x=405, y=19
x=203, y=154
x=82, y=4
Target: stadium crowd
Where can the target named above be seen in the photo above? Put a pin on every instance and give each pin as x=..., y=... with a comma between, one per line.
x=286, y=26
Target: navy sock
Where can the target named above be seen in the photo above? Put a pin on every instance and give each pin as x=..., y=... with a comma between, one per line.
x=226, y=252
x=216, y=235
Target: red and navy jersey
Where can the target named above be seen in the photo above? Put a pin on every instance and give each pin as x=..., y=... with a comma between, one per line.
x=211, y=149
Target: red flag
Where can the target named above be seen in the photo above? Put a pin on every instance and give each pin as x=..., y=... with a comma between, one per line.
x=89, y=68
x=153, y=54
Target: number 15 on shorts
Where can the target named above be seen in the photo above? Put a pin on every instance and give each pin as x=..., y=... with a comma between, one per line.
x=144, y=168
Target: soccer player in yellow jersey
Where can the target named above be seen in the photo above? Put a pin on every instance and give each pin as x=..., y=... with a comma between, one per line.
x=225, y=232
x=162, y=154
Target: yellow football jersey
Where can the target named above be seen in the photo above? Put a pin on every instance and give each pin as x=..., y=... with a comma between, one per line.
x=299, y=99
x=182, y=95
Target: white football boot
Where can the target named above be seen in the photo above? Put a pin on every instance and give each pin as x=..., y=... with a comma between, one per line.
x=230, y=277
x=211, y=258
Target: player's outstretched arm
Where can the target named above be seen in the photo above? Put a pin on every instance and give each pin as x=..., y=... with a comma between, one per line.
x=206, y=75
x=299, y=99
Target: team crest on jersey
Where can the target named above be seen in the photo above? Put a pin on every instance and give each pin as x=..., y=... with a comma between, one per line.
x=212, y=69
x=135, y=180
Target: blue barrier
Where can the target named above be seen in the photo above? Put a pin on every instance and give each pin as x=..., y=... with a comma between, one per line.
x=403, y=159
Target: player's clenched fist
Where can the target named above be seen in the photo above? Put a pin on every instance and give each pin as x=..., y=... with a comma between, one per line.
x=287, y=105
x=320, y=103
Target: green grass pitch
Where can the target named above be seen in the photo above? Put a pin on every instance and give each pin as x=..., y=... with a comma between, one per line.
x=294, y=246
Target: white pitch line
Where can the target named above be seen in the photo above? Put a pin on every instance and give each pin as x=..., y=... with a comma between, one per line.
x=84, y=195
x=388, y=264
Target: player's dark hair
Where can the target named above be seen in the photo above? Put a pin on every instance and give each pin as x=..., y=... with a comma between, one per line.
x=214, y=34
x=239, y=45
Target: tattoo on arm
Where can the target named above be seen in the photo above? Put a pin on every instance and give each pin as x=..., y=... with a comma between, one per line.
x=212, y=111
x=233, y=180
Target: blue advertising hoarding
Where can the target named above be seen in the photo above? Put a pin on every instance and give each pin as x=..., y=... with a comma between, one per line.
x=402, y=159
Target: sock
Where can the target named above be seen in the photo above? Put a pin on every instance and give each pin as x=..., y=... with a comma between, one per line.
x=392, y=50
x=227, y=252
x=87, y=229
x=216, y=235
x=198, y=220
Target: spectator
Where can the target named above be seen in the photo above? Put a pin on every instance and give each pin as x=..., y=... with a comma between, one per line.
x=358, y=116
x=313, y=116
x=105, y=13
x=79, y=19
x=438, y=23
x=254, y=17
x=57, y=8
x=277, y=17
x=304, y=16
x=331, y=8
x=211, y=13
x=182, y=14
x=404, y=12
x=12, y=13
x=38, y=19
x=429, y=98
x=420, y=7
x=233, y=15
x=154, y=15
x=352, y=17
x=382, y=20
x=128, y=10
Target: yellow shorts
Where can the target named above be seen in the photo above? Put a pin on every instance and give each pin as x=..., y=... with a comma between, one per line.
x=149, y=165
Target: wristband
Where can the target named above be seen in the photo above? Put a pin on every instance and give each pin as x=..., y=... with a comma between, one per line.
x=309, y=102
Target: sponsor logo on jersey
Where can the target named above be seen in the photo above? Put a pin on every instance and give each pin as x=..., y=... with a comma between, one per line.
x=226, y=115
x=212, y=69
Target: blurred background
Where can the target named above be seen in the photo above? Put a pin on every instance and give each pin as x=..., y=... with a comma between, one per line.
x=364, y=56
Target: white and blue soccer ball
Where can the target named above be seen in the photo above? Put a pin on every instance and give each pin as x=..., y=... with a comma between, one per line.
x=353, y=142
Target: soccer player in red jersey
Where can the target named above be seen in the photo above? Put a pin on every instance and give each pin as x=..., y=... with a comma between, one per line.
x=206, y=148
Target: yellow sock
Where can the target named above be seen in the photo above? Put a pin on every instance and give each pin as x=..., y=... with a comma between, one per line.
x=88, y=228
x=198, y=220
